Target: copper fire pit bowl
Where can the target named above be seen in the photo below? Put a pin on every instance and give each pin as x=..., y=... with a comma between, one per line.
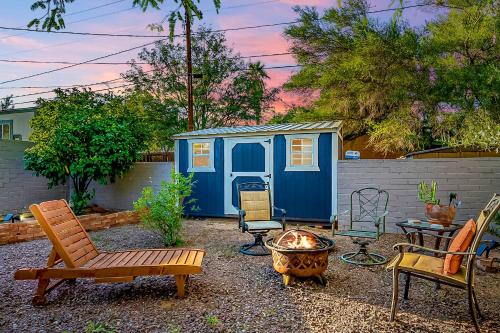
x=299, y=253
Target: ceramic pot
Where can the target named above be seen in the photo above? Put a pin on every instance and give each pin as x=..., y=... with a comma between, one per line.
x=440, y=214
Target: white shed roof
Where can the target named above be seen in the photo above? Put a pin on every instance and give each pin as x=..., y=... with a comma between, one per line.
x=321, y=126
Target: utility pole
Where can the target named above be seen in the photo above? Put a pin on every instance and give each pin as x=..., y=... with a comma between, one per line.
x=189, y=72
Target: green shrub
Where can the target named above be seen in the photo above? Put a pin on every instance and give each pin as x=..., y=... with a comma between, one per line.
x=163, y=211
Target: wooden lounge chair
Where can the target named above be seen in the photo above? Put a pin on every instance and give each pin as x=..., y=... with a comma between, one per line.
x=73, y=247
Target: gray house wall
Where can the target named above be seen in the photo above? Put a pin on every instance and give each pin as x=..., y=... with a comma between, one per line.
x=473, y=179
x=18, y=187
x=121, y=194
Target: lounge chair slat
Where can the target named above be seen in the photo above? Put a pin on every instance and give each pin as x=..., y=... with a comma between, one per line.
x=183, y=257
x=97, y=263
x=65, y=226
x=165, y=259
x=143, y=258
x=175, y=257
x=71, y=239
x=129, y=257
x=78, y=245
x=136, y=258
x=190, y=258
x=95, y=259
x=85, y=258
x=151, y=258
x=104, y=263
x=199, y=258
x=160, y=257
x=115, y=262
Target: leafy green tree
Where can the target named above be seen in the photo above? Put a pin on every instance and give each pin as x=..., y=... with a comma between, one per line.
x=365, y=70
x=84, y=136
x=227, y=92
x=408, y=89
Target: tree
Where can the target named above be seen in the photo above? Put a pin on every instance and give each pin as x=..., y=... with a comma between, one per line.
x=228, y=92
x=7, y=103
x=53, y=19
x=408, y=89
x=365, y=70
x=83, y=136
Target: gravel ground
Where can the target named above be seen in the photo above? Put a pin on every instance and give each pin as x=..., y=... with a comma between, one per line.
x=236, y=293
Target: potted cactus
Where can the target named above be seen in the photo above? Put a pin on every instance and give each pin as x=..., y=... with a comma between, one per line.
x=436, y=212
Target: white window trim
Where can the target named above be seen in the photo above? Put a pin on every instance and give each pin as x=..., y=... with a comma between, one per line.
x=314, y=166
x=210, y=167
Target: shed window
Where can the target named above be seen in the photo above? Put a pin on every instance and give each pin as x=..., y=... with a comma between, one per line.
x=201, y=155
x=302, y=152
x=6, y=129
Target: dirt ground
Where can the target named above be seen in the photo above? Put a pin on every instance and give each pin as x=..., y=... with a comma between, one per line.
x=235, y=293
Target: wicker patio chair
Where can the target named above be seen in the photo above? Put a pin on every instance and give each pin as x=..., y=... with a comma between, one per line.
x=430, y=267
x=366, y=224
x=255, y=216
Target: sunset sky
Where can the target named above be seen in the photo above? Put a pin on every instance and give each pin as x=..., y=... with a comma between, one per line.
x=119, y=17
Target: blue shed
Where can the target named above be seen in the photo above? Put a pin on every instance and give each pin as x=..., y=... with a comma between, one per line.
x=298, y=160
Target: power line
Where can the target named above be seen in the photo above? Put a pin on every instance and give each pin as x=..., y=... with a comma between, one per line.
x=104, y=82
x=79, y=12
x=79, y=63
x=120, y=63
x=180, y=35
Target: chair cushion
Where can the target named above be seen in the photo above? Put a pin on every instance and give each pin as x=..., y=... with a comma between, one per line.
x=357, y=233
x=427, y=266
x=459, y=244
x=256, y=205
x=263, y=225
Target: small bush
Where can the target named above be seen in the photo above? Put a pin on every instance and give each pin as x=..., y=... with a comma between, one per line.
x=212, y=320
x=99, y=328
x=163, y=211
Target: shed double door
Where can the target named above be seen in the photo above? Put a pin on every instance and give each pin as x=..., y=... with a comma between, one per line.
x=245, y=160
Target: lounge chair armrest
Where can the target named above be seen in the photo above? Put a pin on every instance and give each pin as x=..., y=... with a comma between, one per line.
x=401, y=248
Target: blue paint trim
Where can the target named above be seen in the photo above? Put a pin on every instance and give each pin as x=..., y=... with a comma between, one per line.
x=208, y=188
x=304, y=194
x=248, y=157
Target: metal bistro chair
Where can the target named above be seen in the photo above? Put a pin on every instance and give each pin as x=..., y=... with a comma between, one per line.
x=255, y=216
x=365, y=222
x=429, y=265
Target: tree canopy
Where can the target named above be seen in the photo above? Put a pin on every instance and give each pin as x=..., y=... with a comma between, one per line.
x=85, y=136
x=227, y=90
x=407, y=88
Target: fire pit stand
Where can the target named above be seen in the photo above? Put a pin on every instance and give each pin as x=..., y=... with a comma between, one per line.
x=294, y=257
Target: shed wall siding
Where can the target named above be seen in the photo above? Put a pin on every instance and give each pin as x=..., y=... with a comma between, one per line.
x=304, y=194
x=208, y=189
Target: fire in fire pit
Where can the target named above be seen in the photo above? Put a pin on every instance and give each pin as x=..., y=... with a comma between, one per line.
x=300, y=253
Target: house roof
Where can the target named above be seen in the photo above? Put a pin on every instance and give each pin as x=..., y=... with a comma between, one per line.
x=321, y=126
x=20, y=110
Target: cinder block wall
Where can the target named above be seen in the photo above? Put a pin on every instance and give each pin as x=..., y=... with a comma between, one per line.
x=473, y=179
x=18, y=187
x=121, y=194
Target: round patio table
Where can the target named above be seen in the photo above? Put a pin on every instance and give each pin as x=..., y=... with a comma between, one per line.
x=427, y=227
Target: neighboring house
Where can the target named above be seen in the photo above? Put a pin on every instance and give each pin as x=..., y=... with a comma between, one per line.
x=299, y=161
x=14, y=124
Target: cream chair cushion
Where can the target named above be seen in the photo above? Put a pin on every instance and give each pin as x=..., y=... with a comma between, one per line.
x=256, y=205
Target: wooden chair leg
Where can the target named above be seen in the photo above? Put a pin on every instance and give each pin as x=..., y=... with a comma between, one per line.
x=180, y=281
x=472, y=308
x=39, y=298
x=395, y=288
